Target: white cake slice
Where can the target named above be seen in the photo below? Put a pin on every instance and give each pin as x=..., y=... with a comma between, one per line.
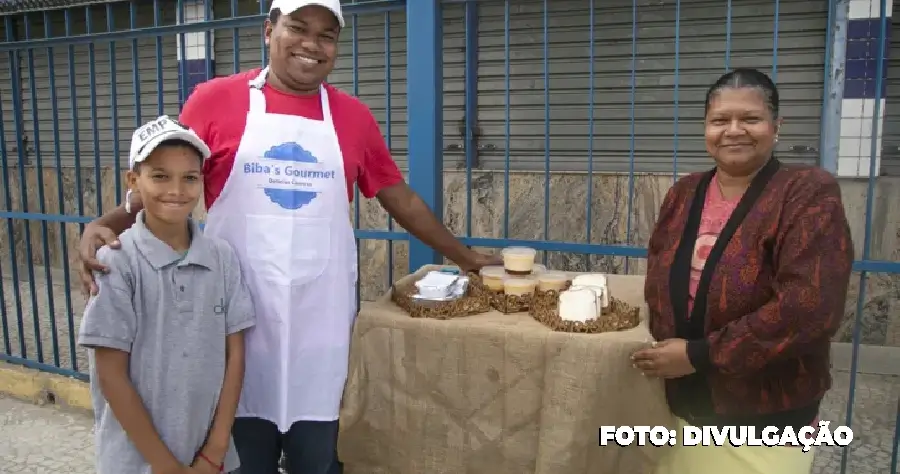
x=597, y=282
x=578, y=304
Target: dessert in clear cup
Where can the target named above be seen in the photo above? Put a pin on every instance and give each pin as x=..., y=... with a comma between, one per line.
x=519, y=285
x=518, y=260
x=492, y=277
x=551, y=280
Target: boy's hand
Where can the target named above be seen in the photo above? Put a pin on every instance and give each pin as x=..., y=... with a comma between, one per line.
x=201, y=466
x=177, y=469
x=204, y=463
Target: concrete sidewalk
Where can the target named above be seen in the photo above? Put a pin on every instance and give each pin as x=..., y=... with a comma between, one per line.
x=44, y=440
x=47, y=440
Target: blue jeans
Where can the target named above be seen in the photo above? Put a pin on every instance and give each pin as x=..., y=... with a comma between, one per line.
x=309, y=447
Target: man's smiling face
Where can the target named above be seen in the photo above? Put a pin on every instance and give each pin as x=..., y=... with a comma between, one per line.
x=303, y=47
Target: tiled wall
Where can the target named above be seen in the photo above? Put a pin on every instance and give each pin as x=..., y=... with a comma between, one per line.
x=858, y=106
x=192, y=61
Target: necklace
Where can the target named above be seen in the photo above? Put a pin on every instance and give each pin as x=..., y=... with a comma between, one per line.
x=719, y=185
x=722, y=193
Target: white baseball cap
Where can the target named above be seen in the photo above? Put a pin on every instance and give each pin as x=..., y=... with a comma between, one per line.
x=290, y=6
x=146, y=138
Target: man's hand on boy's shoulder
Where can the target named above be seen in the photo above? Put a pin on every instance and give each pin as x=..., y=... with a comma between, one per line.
x=94, y=237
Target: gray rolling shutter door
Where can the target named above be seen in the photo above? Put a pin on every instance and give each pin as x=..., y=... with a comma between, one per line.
x=371, y=74
x=127, y=116
x=802, y=33
x=455, y=84
x=249, y=39
x=890, y=142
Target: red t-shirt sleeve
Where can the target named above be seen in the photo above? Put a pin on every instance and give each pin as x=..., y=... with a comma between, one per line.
x=379, y=169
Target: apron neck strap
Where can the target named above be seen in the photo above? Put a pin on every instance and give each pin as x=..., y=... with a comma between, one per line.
x=258, y=100
x=260, y=80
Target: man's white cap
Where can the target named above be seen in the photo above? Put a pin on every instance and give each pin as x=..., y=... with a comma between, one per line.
x=290, y=6
x=151, y=134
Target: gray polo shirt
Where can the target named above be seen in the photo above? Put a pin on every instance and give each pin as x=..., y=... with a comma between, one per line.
x=172, y=313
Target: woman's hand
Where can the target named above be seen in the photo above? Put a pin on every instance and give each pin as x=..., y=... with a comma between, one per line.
x=666, y=359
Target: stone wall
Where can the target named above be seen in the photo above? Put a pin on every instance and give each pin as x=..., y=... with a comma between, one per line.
x=568, y=218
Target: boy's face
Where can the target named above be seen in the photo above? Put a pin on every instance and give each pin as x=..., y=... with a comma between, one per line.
x=169, y=182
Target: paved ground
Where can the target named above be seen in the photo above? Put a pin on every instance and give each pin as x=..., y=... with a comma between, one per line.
x=43, y=440
x=46, y=440
x=874, y=419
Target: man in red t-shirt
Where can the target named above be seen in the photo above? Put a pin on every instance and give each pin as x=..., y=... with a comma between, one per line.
x=286, y=150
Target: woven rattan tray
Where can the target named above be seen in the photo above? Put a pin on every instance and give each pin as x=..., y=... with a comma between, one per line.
x=475, y=301
x=619, y=316
x=508, y=304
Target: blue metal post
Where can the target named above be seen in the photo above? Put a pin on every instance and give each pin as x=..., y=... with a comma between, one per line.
x=833, y=97
x=424, y=52
x=388, y=138
x=471, y=113
x=880, y=57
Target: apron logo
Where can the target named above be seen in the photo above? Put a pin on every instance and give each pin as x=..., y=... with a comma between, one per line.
x=289, y=175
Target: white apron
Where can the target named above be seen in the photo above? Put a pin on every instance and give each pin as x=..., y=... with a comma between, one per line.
x=284, y=209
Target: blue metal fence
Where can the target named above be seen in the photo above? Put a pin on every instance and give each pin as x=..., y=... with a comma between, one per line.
x=42, y=147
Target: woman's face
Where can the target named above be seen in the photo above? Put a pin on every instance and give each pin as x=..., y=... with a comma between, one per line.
x=740, y=130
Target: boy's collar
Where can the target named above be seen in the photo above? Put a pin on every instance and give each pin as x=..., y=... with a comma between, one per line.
x=160, y=254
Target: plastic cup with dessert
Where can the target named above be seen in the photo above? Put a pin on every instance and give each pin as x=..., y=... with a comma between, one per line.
x=518, y=260
x=519, y=285
x=492, y=277
x=552, y=280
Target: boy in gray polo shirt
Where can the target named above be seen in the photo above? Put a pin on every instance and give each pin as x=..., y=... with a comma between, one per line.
x=166, y=327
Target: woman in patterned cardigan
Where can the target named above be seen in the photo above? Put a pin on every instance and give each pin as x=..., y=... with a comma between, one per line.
x=747, y=277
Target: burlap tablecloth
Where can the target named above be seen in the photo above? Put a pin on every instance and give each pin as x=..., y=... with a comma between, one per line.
x=494, y=394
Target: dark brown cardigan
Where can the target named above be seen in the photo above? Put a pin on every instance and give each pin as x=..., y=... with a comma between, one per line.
x=770, y=297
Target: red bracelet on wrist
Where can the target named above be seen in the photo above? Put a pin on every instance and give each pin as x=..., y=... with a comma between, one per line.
x=220, y=467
